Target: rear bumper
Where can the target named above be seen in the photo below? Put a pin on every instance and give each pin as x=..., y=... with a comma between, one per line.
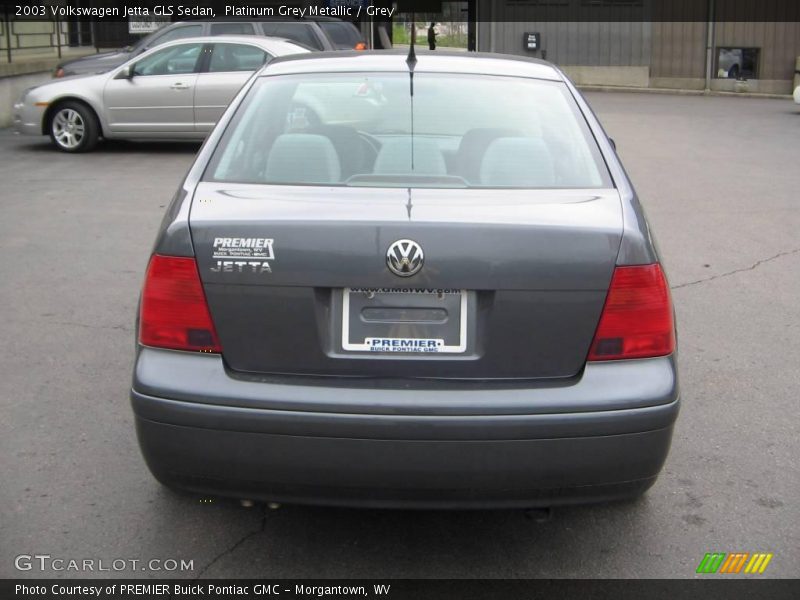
x=486, y=448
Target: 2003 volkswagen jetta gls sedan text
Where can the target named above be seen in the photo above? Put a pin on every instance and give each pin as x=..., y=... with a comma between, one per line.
x=419, y=281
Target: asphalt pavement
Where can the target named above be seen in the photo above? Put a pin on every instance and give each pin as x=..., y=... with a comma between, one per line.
x=720, y=180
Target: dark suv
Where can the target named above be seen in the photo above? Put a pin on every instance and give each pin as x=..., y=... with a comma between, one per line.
x=321, y=34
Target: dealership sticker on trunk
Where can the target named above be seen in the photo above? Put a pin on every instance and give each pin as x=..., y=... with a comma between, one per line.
x=242, y=255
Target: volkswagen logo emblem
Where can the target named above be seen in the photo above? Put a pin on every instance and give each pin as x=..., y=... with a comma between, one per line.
x=405, y=257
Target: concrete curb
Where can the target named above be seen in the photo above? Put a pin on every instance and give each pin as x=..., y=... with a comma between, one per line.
x=679, y=92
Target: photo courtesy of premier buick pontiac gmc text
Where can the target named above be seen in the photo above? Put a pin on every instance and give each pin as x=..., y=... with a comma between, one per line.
x=399, y=279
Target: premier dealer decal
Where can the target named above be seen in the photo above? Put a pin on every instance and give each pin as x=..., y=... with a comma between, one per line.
x=242, y=255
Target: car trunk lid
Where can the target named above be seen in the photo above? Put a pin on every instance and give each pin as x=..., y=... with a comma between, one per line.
x=533, y=267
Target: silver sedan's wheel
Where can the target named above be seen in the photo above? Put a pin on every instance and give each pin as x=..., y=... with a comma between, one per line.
x=73, y=127
x=68, y=128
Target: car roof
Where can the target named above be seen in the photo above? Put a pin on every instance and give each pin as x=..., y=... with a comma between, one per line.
x=265, y=41
x=481, y=63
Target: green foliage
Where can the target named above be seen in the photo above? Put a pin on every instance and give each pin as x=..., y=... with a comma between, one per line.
x=401, y=35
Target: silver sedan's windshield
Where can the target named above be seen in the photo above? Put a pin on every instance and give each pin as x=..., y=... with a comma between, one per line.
x=383, y=129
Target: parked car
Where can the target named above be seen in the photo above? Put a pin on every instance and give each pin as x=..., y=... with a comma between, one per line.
x=175, y=91
x=797, y=94
x=319, y=33
x=343, y=35
x=380, y=286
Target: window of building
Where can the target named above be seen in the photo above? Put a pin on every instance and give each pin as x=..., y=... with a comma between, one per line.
x=737, y=63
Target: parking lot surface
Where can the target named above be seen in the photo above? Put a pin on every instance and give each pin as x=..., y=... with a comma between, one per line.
x=720, y=180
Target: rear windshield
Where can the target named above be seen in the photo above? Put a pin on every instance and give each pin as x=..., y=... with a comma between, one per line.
x=343, y=35
x=369, y=129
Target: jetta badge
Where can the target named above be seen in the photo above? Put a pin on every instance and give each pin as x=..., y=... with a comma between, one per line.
x=404, y=258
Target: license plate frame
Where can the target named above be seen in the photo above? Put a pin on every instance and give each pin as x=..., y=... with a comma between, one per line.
x=414, y=345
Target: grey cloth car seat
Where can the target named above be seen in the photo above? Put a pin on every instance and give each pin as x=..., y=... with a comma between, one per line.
x=472, y=149
x=517, y=162
x=394, y=158
x=355, y=154
x=302, y=158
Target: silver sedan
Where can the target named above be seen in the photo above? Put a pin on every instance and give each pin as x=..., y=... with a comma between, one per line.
x=177, y=91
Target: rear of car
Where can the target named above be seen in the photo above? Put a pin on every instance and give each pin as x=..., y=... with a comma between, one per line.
x=393, y=288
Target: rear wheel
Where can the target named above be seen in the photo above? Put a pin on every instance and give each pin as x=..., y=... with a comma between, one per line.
x=74, y=128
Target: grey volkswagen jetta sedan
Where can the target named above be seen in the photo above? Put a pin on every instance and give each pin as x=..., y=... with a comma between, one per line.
x=399, y=281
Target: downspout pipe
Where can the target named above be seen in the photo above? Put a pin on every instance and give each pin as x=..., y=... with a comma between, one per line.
x=709, y=45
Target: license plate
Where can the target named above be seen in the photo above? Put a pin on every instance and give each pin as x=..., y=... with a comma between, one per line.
x=402, y=320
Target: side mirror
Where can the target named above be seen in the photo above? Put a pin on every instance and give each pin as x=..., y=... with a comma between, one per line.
x=125, y=72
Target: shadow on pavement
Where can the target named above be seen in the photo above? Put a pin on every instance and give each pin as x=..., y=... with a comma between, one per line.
x=114, y=147
x=306, y=541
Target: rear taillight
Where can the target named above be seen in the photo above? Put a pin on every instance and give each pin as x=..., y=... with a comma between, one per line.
x=361, y=46
x=174, y=313
x=637, y=316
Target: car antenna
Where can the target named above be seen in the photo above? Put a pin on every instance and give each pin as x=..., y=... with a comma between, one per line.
x=411, y=61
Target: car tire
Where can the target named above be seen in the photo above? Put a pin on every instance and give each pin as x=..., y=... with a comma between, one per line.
x=73, y=127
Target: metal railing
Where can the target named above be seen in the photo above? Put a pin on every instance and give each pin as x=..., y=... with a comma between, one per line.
x=13, y=39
